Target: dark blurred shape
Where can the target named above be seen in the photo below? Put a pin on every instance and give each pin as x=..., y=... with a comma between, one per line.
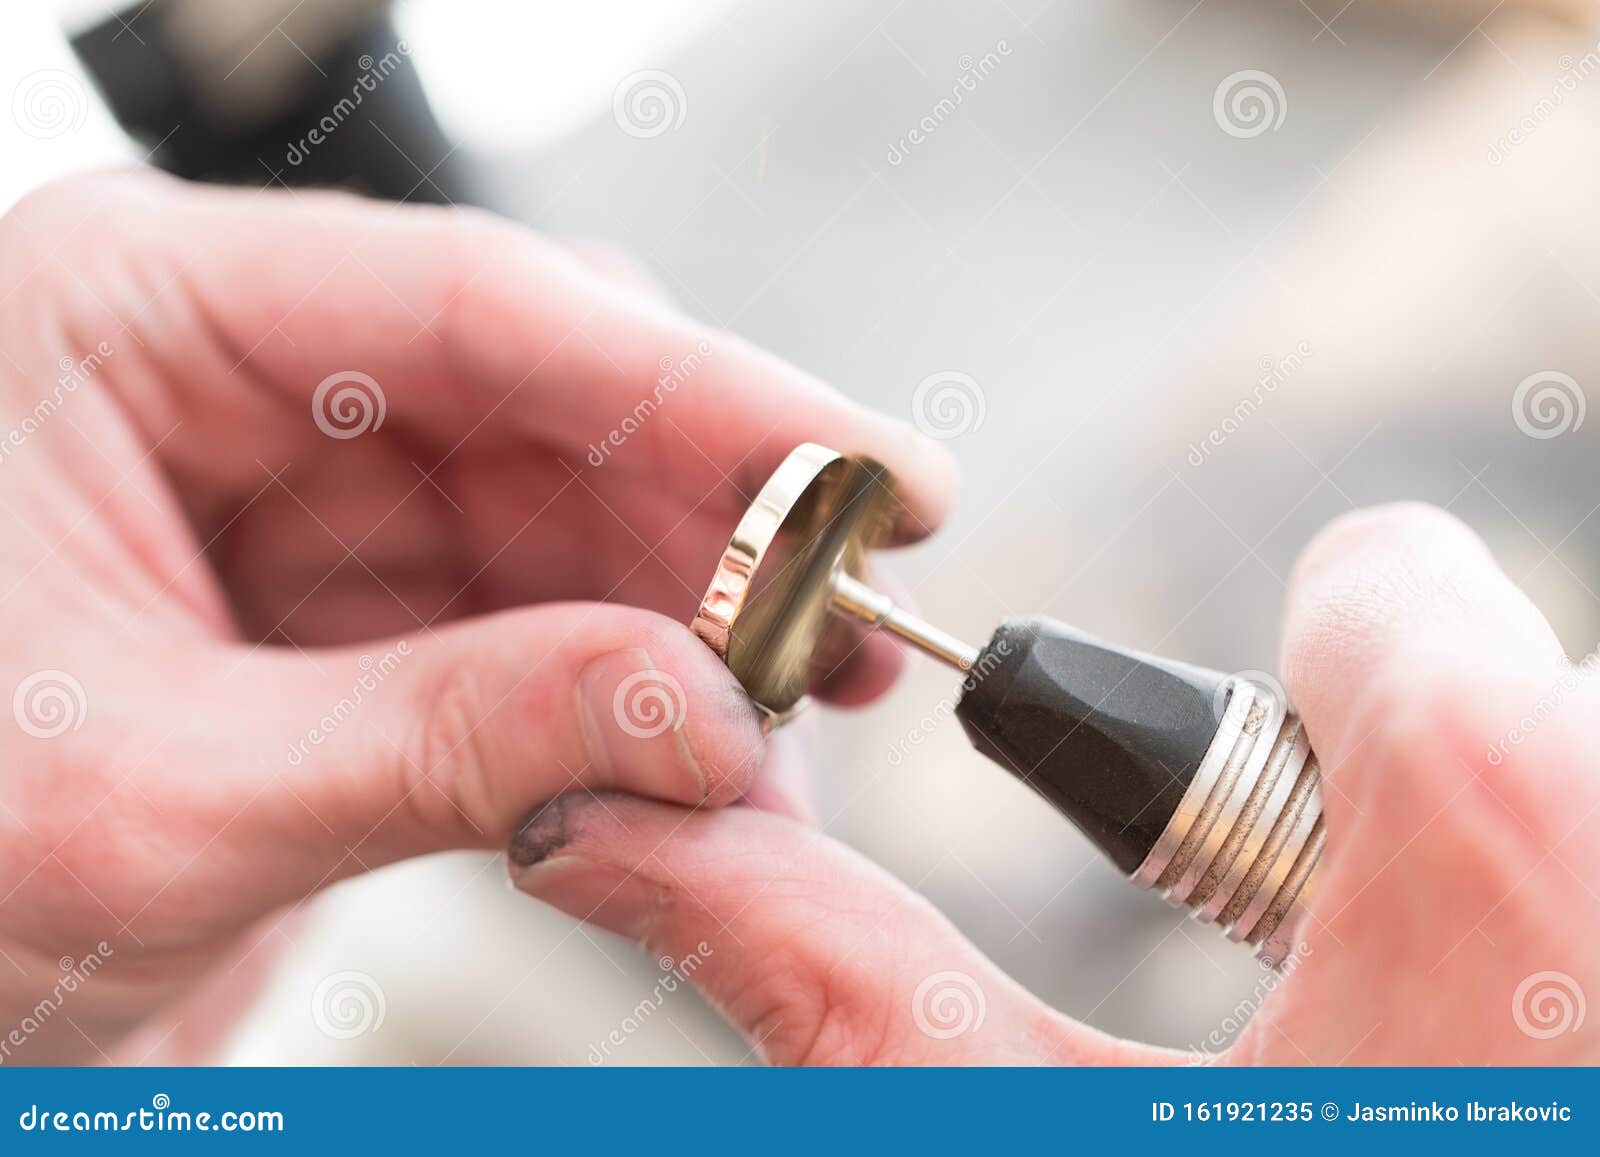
x=344, y=108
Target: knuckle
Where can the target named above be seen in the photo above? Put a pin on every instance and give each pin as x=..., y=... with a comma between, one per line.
x=443, y=775
x=817, y=1016
x=46, y=217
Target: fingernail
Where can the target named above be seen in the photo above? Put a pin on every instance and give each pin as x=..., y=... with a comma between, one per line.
x=633, y=715
x=593, y=892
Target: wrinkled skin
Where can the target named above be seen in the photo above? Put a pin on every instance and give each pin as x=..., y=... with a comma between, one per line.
x=196, y=577
x=208, y=569
x=1463, y=858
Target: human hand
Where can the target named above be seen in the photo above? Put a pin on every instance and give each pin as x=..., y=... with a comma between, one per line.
x=1453, y=922
x=227, y=561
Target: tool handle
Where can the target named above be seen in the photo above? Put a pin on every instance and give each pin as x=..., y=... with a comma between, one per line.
x=1195, y=783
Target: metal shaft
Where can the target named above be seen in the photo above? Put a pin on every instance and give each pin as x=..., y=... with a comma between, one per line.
x=856, y=600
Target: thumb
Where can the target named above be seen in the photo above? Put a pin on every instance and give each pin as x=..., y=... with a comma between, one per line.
x=819, y=956
x=441, y=741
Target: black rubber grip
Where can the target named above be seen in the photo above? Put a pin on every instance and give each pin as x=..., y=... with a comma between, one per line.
x=1111, y=737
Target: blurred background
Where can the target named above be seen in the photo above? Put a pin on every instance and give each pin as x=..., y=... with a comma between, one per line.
x=1178, y=281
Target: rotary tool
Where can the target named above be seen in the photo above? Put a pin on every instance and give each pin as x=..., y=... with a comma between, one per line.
x=1200, y=785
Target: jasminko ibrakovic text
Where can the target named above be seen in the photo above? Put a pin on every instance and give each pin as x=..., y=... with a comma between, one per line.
x=1358, y=1113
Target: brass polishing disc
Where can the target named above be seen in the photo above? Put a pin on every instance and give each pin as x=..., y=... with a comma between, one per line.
x=766, y=611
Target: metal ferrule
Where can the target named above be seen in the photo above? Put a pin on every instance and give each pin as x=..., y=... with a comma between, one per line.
x=1242, y=848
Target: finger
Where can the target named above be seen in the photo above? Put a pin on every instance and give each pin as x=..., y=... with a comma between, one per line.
x=1388, y=605
x=445, y=740
x=1450, y=834
x=783, y=786
x=618, y=266
x=468, y=326
x=816, y=954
